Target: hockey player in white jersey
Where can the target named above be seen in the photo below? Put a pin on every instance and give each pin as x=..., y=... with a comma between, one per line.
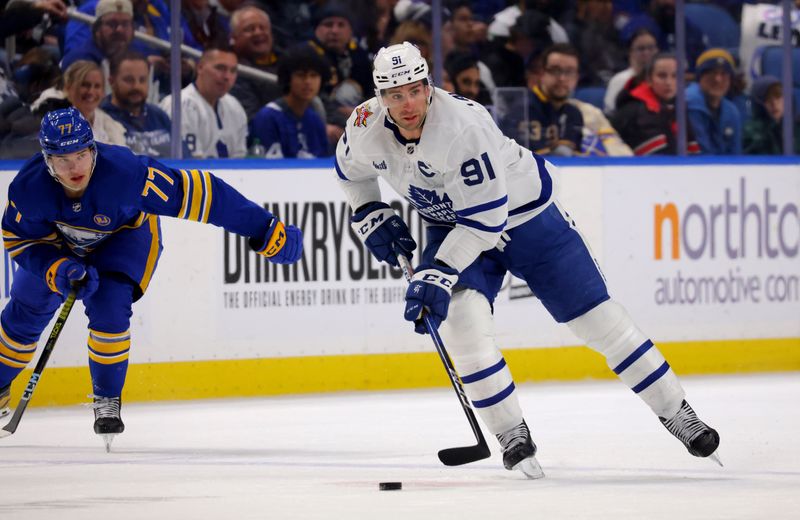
x=489, y=208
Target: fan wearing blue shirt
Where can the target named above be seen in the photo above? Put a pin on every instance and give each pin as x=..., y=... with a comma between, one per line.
x=288, y=126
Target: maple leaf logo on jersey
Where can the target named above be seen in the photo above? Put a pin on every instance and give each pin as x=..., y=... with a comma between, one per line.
x=429, y=204
x=362, y=114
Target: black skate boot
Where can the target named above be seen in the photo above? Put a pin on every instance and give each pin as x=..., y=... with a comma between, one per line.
x=5, y=400
x=699, y=438
x=107, y=420
x=519, y=451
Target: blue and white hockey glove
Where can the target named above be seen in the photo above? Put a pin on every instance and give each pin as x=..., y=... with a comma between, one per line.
x=64, y=271
x=281, y=244
x=429, y=291
x=383, y=232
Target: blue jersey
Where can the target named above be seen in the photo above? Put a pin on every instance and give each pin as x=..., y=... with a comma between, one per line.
x=284, y=135
x=551, y=127
x=146, y=134
x=125, y=192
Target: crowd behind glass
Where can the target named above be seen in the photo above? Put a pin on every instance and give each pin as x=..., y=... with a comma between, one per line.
x=565, y=78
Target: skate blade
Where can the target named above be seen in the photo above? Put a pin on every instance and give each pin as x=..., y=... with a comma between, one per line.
x=715, y=457
x=530, y=468
x=108, y=438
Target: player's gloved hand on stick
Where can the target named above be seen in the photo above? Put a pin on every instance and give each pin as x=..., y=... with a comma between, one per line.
x=429, y=291
x=383, y=232
x=64, y=272
x=281, y=244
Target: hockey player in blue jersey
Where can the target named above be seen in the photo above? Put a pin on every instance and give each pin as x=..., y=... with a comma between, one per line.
x=489, y=209
x=88, y=211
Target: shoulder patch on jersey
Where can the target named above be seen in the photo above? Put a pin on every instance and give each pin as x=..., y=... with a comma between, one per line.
x=362, y=114
x=101, y=220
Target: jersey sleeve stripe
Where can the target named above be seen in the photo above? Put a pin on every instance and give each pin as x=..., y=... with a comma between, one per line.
x=207, y=189
x=152, y=256
x=481, y=227
x=544, y=195
x=187, y=185
x=483, y=207
x=197, y=196
x=339, y=170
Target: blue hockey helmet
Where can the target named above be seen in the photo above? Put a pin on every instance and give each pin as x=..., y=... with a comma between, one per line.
x=65, y=131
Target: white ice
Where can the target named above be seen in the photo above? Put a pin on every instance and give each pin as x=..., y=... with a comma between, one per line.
x=322, y=456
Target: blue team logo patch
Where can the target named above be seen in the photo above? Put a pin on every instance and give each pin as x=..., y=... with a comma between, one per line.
x=431, y=205
x=101, y=220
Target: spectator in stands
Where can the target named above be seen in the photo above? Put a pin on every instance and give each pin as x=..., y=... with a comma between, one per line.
x=465, y=37
x=203, y=25
x=289, y=127
x=382, y=24
x=593, y=34
x=462, y=70
x=18, y=17
x=213, y=123
x=149, y=16
x=251, y=36
x=715, y=120
x=642, y=46
x=83, y=88
x=34, y=73
x=112, y=33
x=555, y=126
x=147, y=127
x=645, y=116
x=500, y=27
x=333, y=38
x=662, y=13
x=507, y=58
x=350, y=80
x=291, y=21
x=763, y=133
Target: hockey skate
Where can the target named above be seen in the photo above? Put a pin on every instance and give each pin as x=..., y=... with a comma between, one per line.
x=699, y=438
x=107, y=421
x=519, y=451
x=5, y=400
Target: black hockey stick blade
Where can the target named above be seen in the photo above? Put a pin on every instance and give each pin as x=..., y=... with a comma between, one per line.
x=464, y=455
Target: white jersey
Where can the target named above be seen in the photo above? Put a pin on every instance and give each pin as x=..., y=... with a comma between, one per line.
x=210, y=132
x=462, y=172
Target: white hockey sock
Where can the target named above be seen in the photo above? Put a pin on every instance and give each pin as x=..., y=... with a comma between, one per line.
x=468, y=335
x=609, y=330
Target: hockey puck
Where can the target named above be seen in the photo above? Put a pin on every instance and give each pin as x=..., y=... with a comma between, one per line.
x=390, y=486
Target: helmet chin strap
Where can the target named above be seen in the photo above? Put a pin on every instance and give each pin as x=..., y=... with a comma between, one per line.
x=55, y=177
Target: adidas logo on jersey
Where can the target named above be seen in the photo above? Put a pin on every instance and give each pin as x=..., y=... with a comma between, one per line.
x=379, y=166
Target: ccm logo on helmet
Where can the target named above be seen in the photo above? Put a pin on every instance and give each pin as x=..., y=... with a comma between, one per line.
x=398, y=74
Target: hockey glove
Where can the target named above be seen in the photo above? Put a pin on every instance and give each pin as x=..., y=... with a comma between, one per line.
x=281, y=244
x=383, y=232
x=65, y=271
x=429, y=291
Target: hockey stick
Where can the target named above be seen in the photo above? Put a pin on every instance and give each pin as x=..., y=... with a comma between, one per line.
x=12, y=425
x=463, y=454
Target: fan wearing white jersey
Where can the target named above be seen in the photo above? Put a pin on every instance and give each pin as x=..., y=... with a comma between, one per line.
x=489, y=208
x=213, y=122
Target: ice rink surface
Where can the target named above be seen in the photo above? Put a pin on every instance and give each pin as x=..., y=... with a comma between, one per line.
x=322, y=456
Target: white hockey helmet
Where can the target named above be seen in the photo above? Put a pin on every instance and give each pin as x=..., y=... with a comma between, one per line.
x=398, y=65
